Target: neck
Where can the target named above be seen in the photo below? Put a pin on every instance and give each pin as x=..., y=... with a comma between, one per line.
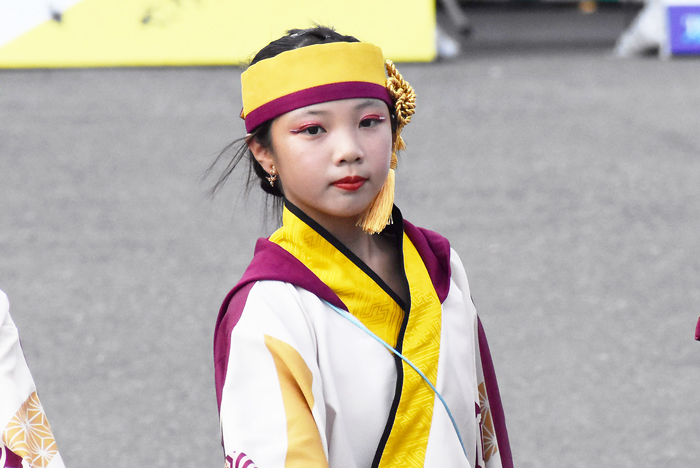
x=378, y=252
x=353, y=237
x=359, y=242
x=365, y=246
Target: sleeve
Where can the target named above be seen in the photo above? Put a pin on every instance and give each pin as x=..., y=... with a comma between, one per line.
x=26, y=437
x=271, y=405
x=494, y=451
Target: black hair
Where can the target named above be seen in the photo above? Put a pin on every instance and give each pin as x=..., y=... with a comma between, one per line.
x=294, y=39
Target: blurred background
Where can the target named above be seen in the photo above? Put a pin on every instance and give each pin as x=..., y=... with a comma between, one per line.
x=567, y=178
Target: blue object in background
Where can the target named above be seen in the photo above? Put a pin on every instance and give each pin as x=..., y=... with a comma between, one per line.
x=684, y=29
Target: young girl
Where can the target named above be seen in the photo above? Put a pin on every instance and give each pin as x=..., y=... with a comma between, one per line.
x=351, y=340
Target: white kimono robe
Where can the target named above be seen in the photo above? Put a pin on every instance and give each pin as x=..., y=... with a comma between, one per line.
x=300, y=385
x=25, y=436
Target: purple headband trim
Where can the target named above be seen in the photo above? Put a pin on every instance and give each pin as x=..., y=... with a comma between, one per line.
x=316, y=95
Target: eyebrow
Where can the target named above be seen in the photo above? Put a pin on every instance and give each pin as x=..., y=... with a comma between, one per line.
x=367, y=103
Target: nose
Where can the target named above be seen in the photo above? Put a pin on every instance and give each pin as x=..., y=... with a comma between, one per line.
x=347, y=148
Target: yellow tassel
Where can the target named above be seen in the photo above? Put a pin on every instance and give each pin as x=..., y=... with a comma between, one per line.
x=378, y=215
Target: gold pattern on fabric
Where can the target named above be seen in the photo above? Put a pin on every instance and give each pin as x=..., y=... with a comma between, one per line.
x=408, y=439
x=488, y=431
x=364, y=298
x=29, y=436
x=304, y=447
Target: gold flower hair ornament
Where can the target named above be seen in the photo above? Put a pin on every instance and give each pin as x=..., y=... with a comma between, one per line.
x=378, y=215
x=405, y=104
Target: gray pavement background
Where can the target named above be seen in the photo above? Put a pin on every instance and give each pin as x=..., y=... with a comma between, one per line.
x=569, y=182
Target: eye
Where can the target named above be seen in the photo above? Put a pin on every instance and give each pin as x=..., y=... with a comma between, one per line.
x=371, y=121
x=313, y=130
x=310, y=130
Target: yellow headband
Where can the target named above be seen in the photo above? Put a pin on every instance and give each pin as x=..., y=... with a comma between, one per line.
x=310, y=75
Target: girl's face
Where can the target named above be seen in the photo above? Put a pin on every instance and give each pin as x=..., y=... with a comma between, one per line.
x=332, y=158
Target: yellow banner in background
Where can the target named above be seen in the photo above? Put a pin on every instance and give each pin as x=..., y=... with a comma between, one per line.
x=107, y=33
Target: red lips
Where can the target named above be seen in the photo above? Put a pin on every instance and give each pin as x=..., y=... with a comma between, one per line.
x=350, y=183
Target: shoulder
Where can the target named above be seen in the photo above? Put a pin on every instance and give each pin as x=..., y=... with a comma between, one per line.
x=261, y=301
x=272, y=308
x=442, y=261
x=274, y=284
x=257, y=311
x=459, y=273
x=428, y=241
x=436, y=253
x=272, y=264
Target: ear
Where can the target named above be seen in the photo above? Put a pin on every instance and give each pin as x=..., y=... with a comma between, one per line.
x=261, y=154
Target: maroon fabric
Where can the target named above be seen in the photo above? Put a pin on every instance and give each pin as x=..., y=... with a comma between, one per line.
x=12, y=460
x=315, y=95
x=435, y=252
x=499, y=419
x=229, y=316
x=697, y=331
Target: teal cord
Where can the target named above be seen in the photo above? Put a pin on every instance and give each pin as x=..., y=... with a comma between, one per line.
x=360, y=325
